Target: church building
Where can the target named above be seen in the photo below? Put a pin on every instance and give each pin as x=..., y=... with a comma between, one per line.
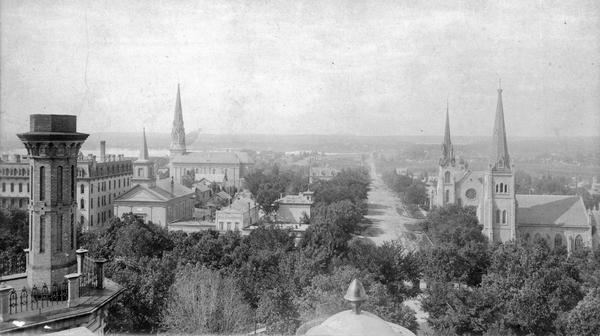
x=160, y=201
x=226, y=168
x=505, y=215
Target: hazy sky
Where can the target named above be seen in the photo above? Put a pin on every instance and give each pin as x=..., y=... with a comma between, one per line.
x=298, y=67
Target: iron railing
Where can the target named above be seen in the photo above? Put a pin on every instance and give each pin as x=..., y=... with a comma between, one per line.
x=37, y=298
x=88, y=278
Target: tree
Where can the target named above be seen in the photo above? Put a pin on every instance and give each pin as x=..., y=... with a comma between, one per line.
x=204, y=301
x=584, y=319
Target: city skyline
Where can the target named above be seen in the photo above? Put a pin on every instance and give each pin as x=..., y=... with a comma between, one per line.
x=303, y=68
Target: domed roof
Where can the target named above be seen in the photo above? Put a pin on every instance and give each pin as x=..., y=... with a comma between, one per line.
x=348, y=323
x=355, y=322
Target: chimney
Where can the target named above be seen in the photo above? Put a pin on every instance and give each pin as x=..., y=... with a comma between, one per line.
x=102, y=151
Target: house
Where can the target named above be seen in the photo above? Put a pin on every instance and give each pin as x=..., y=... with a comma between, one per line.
x=293, y=208
x=242, y=212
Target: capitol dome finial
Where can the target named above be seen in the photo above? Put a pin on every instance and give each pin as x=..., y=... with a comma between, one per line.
x=356, y=295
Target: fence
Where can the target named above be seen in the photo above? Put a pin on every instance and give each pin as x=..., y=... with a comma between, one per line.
x=88, y=278
x=37, y=298
x=12, y=265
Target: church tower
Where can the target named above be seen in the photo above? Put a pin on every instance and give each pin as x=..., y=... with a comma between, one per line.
x=446, y=189
x=178, y=132
x=143, y=168
x=52, y=144
x=499, y=203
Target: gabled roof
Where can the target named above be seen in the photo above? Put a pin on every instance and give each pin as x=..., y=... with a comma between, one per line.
x=223, y=195
x=567, y=210
x=161, y=192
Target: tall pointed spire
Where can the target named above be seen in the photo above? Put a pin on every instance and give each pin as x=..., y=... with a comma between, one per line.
x=178, y=131
x=501, y=157
x=144, y=151
x=447, y=148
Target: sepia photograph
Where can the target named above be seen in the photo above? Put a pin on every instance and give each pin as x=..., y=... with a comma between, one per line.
x=300, y=167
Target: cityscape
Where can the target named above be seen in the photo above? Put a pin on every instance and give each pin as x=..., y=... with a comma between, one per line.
x=299, y=168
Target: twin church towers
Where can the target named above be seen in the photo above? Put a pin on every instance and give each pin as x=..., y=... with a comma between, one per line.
x=491, y=191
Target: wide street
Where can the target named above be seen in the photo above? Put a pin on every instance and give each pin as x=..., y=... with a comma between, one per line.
x=385, y=221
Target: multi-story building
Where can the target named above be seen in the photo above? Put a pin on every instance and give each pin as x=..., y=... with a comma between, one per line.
x=14, y=182
x=99, y=183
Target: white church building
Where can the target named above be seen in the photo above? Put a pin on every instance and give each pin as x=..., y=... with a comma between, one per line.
x=505, y=215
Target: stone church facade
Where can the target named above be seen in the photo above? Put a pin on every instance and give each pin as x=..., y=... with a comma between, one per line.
x=505, y=215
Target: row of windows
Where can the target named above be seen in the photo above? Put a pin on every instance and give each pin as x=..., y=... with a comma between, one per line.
x=100, y=199
x=502, y=188
x=113, y=184
x=22, y=202
x=558, y=240
x=101, y=217
x=12, y=187
x=228, y=227
x=122, y=168
x=15, y=171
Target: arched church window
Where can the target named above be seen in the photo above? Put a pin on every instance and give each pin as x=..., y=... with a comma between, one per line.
x=557, y=240
x=497, y=216
x=496, y=188
x=501, y=187
x=506, y=188
x=447, y=177
x=503, y=216
x=578, y=242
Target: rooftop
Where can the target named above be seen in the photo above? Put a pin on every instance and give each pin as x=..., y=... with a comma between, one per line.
x=567, y=210
x=212, y=157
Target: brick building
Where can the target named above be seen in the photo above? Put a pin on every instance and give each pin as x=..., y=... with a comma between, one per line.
x=99, y=183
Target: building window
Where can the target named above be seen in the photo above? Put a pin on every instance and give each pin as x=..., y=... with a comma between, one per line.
x=59, y=231
x=91, y=203
x=72, y=232
x=82, y=203
x=42, y=183
x=42, y=233
x=27, y=187
x=447, y=177
x=72, y=182
x=139, y=172
x=91, y=220
x=506, y=188
x=12, y=187
x=91, y=188
x=3, y=186
x=578, y=242
x=497, y=216
x=557, y=240
x=81, y=220
x=81, y=188
x=59, y=184
x=503, y=216
x=20, y=187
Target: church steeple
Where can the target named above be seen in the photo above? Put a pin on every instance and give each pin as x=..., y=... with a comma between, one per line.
x=447, y=148
x=501, y=157
x=143, y=168
x=144, y=150
x=178, y=131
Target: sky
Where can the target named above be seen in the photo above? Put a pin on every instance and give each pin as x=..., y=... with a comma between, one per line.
x=303, y=67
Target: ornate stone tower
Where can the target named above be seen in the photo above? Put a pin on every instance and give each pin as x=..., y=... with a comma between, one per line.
x=499, y=203
x=445, y=191
x=53, y=144
x=178, y=132
x=143, y=168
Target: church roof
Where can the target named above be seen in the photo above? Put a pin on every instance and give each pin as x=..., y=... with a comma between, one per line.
x=567, y=210
x=162, y=191
x=212, y=157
